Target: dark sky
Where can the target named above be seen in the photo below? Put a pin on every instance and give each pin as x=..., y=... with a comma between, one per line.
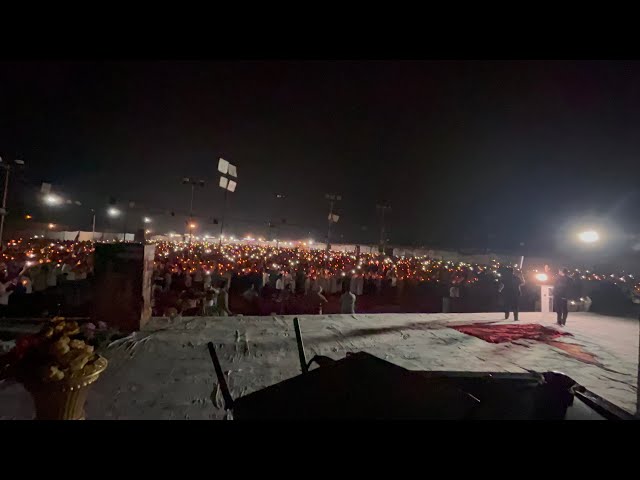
x=465, y=152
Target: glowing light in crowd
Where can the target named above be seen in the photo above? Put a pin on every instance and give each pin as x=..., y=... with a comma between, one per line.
x=28, y=217
x=113, y=212
x=146, y=219
x=589, y=236
x=52, y=226
x=52, y=199
x=542, y=277
x=192, y=225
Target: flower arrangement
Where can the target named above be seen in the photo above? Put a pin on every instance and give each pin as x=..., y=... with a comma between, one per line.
x=60, y=350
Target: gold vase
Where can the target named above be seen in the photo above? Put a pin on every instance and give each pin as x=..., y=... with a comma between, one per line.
x=64, y=399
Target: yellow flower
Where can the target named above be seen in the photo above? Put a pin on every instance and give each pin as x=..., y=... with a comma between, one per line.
x=54, y=373
x=72, y=328
x=48, y=332
x=79, y=362
x=59, y=348
x=77, y=344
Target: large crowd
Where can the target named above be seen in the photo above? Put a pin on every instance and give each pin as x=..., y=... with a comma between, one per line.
x=40, y=277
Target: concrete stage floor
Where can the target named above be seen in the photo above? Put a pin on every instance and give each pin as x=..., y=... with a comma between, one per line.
x=170, y=375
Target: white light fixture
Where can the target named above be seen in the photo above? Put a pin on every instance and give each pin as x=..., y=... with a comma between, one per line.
x=223, y=166
x=113, y=212
x=589, y=236
x=52, y=199
x=146, y=220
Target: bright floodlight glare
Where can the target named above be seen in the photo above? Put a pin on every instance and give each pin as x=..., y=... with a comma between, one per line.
x=52, y=199
x=146, y=220
x=192, y=225
x=589, y=236
x=113, y=212
x=52, y=226
x=542, y=277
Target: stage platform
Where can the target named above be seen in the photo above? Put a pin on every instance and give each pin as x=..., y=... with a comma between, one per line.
x=168, y=374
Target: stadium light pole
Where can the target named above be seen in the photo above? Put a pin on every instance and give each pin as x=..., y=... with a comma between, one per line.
x=332, y=218
x=227, y=170
x=194, y=183
x=3, y=210
x=93, y=225
x=383, y=240
x=274, y=223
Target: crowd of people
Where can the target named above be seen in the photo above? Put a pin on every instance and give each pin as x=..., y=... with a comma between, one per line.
x=40, y=276
x=201, y=278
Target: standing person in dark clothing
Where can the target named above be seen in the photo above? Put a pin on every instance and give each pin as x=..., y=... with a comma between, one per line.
x=561, y=290
x=510, y=289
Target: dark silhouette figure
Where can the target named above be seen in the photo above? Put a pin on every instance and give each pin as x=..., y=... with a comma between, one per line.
x=510, y=289
x=561, y=291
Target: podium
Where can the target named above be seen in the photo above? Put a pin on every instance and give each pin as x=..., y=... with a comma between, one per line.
x=123, y=279
x=546, y=298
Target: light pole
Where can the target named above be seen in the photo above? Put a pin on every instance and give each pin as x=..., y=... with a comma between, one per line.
x=194, y=183
x=332, y=218
x=383, y=240
x=3, y=210
x=130, y=205
x=93, y=225
x=228, y=185
x=113, y=212
x=274, y=223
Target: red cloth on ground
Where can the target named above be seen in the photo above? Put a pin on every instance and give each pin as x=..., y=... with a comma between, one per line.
x=510, y=332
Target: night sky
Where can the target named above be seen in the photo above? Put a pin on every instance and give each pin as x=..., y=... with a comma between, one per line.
x=468, y=154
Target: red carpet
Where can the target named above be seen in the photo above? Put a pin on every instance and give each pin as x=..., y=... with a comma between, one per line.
x=510, y=332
